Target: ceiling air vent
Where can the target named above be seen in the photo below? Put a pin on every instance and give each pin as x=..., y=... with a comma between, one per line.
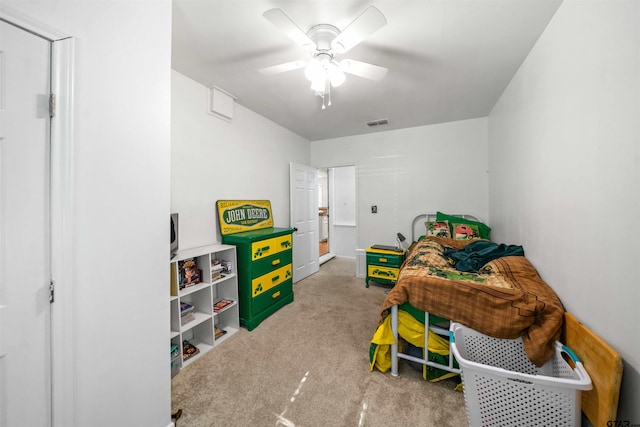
x=381, y=122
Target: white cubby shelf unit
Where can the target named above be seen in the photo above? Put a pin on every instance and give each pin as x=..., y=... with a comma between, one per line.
x=204, y=327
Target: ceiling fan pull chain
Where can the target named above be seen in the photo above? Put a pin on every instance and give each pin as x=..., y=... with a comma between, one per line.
x=329, y=92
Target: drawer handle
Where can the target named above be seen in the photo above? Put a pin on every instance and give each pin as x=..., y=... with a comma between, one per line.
x=275, y=278
x=383, y=260
x=275, y=262
x=275, y=295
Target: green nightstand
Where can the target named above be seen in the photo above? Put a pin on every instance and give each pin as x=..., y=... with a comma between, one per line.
x=383, y=265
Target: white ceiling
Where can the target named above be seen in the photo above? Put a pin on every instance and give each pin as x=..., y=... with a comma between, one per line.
x=448, y=59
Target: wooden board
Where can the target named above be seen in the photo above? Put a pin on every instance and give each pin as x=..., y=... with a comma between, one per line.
x=604, y=366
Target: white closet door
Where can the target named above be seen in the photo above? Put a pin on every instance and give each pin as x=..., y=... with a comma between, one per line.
x=25, y=322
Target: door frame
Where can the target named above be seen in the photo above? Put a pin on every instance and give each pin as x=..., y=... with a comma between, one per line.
x=63, y=353
x=337, y=244
x=329, y=255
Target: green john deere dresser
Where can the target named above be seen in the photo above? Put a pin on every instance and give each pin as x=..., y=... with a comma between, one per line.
x=265, y=272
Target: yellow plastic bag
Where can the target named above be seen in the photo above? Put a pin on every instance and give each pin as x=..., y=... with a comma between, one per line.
x=410, y=330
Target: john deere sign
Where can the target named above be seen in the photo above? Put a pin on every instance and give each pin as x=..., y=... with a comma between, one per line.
x=246, y=215
x=236, y=216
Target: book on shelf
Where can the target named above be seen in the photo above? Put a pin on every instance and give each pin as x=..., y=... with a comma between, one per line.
x=175, y=351
x=185, y=308
x=187, y=318
x=224, y=266
x=174, y=280
x=216, y=270
x=219, y=332
x=188, y=273
x=189, y=350
x=219, y=305
x=188, y=285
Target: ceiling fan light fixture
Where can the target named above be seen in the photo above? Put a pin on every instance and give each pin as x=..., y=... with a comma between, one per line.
x=324, y=41
x=336, y=75
x=319, y=85
x=322, y=70
x=314, y=70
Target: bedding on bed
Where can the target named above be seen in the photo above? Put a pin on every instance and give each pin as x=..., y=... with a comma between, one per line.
x=504, y=298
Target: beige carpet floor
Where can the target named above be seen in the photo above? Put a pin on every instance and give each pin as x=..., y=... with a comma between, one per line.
x=308, y=365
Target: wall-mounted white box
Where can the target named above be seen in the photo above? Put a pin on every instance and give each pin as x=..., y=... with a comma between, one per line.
x=221, y=103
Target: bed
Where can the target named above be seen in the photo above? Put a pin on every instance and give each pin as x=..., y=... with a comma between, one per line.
x=463, y=277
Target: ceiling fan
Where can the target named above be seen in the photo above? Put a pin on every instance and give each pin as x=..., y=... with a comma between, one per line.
x=324, y=42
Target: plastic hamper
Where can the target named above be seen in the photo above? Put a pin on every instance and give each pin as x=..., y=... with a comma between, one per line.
x=502, y=387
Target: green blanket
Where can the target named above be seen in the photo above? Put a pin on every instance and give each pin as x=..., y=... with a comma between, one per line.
x=475, y=255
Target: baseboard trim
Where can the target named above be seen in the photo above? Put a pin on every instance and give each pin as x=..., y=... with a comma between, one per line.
x=326, y=257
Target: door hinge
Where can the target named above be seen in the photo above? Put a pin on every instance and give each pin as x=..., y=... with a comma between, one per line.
x=51, y=291
x=52, y=105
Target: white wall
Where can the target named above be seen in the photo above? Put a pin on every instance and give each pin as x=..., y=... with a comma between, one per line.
x=213, y=159
x=120, y=194
x=411, y=171
x=342, y=211
x=564, y=155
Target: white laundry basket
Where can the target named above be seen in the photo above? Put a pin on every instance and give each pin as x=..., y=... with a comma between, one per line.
x=502, y=387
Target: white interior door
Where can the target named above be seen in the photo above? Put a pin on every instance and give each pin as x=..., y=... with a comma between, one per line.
x=25, y=322
x=304, y=218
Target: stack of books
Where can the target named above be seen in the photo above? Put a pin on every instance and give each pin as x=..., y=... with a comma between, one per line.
x=186, y=313
x=220, y=305
x=226, y=267
x=189, y=350
x=219, y=332
x=175, y=351
x=216, y=269
x=175, y=360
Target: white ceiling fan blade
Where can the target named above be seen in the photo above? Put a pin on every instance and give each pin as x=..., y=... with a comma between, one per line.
x=363, y=69
x=285, y=24
x=281, y=68
x=368, y=22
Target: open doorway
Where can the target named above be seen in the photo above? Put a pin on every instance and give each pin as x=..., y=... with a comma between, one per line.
x=323, y=216
x=337, y=212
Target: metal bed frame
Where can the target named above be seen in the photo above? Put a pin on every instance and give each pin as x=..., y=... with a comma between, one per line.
x=436, y=328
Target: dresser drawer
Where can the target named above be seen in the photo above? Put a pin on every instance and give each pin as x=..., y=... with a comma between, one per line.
x=393, y=260
x=382, y=272
x=272, y=297
x=270, y=263
x=270, y=280
x=267, y=247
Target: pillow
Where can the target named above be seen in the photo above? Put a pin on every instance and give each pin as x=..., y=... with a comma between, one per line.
x=438, y=228
x=483, y=229
x=465, y=231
